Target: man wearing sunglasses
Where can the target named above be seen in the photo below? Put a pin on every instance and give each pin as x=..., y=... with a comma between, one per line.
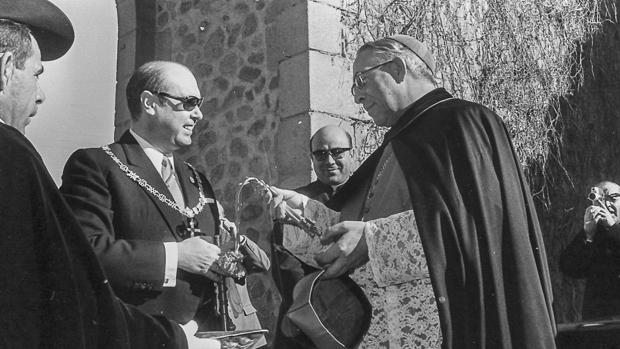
x=330, y=149
x=594, y=253
x=151, y=217
x=438, y=225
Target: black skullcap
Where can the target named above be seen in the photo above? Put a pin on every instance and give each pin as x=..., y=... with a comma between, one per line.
x=417, y=47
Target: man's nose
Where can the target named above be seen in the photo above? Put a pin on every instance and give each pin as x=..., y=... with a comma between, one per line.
x=40, y=95
x=357, y=95
x=330, y=159
x=196, y=114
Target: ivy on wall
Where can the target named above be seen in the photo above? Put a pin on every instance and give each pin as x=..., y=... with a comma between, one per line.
x=517, y=57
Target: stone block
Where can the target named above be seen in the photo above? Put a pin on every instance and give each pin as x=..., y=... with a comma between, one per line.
x=277, y=7
x=126, y=10
x=318, y=120
x=324, y=28
x=272, y=48
x=291, y=31
x=293, y=163
x=294, y=88
x=330, y=85
x=164, y=45
x=341, y=4
x=122, y=111
x=126, y=57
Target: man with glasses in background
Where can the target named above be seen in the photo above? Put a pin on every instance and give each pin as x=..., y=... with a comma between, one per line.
x=151, y=217
x=437, y=226
x=332, y=161
x=594, y=253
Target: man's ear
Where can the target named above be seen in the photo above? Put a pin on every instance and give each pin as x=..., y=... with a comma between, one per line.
x=148, y=101
x=7, y=67
x=399, y=69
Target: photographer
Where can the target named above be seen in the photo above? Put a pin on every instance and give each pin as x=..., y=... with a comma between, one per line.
x=594, y=254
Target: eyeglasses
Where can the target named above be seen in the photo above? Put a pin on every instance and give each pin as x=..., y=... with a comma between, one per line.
x=336, y=153
x=359, y=79
x=189, y=102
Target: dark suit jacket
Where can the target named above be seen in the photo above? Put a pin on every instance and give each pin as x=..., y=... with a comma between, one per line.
x=126, y=226
x=599, y=263
x=53, y=292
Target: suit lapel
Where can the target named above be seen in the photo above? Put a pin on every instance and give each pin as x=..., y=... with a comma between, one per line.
x=187, y=182
x=189, y=186
x=138, y=162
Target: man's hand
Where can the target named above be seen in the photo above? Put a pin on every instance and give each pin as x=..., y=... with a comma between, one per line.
x=194, y=342
x=349, y=252
x=281, y=199
x=596, y=215
x=197, y=256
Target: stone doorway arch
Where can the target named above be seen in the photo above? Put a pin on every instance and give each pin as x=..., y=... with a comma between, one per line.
x=137, y=25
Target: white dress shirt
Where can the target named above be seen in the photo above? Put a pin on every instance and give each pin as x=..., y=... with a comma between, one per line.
x=171, y=249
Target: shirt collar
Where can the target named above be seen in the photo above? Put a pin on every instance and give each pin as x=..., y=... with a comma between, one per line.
x=151, y=152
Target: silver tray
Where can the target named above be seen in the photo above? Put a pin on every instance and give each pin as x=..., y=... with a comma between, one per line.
x=242, y=339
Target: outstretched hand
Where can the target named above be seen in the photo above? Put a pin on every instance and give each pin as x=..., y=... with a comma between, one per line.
x=281, y=200
x=349, y=250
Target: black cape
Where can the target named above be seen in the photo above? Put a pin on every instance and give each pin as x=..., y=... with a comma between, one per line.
x=53, y=293
x=477, y=222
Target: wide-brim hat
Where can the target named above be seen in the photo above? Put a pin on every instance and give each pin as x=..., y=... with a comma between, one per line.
x=49, y=25
x=333, y=314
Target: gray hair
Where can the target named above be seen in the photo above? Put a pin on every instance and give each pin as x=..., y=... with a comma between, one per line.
x=16, y=38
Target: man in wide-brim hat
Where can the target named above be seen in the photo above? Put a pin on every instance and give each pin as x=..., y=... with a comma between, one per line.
x=53, y=293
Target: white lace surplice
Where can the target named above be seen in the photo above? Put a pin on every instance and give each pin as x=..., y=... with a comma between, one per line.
x=396, y=279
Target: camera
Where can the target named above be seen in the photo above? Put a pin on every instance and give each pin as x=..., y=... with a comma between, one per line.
x=597, y=196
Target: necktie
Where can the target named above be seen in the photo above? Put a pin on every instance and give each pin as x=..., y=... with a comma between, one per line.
x=169, y=177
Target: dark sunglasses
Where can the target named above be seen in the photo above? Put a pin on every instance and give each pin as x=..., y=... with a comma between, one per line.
x=359, y=79
x=189, y=103
x=336, y=153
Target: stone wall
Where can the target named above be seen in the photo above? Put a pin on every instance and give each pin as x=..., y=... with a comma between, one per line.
x=223, y=43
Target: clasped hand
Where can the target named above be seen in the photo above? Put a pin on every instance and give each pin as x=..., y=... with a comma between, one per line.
x=197, y=256
x=597, y=215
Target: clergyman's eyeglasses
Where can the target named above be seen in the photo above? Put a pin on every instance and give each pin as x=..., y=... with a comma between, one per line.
x=189, y=102
x=359, y=79
x=336, y=153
